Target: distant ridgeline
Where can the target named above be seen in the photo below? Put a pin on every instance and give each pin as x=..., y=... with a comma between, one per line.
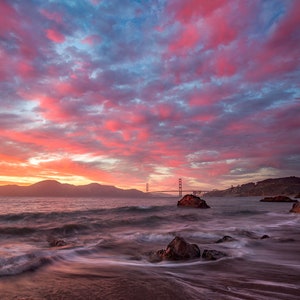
x=52, y=188
x=269, y=187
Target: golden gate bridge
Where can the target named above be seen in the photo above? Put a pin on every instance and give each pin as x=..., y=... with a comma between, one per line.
x=180, y=190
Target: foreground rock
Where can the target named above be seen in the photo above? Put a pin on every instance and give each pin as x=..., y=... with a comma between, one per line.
x=192, y=201
x=178, y=249
x=278, y=199
x=296, y=208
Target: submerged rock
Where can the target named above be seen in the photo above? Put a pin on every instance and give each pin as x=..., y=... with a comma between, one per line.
x=226, y=238
x=192, y=201
x=212, y=254
x=178, y=249
x=295, y=208
x=53, y=242
x=278, y=199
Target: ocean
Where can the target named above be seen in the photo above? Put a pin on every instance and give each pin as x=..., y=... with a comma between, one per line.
x=98, y=248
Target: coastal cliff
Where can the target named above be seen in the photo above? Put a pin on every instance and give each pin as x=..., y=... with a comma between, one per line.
x=269, y=187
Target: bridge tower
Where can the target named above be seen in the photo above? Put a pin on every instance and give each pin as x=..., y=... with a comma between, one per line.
x=147, y=187
x=180, y=187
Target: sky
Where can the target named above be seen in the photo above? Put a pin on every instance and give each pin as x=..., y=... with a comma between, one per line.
x=129, y=92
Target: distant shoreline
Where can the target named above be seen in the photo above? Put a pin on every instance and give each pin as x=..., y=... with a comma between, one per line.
x=289, y=186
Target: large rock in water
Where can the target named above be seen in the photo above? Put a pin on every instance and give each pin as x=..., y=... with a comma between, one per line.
x=296, y=208
x=192, y=201
x=278, y=199
x=178, y=249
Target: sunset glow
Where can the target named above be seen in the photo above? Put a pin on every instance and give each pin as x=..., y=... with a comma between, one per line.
x=128, y=92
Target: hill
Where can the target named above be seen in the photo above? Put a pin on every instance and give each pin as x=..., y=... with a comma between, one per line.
x=269, y=187
x=52, y=188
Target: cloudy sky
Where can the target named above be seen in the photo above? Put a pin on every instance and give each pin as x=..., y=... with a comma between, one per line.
x=126, y=92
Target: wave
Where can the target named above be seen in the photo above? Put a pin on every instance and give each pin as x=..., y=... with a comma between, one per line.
x=22, y=263
x=17, y=230
x=68, y=229
x=54, y=216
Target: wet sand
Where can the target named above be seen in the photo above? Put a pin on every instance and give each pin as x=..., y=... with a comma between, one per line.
x=205, y=281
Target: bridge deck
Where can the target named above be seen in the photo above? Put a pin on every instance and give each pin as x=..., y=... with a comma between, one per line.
x=176, y=191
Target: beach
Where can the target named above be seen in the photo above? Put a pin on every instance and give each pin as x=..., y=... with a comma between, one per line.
x=107, y=242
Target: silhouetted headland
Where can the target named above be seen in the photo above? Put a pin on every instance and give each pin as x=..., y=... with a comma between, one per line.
x=52, y=188
x=269, y=187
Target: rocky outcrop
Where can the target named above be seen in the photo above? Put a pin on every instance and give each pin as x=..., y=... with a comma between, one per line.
x=296, y=208
x=178, y=249
x=192, y=201
x=278, y=199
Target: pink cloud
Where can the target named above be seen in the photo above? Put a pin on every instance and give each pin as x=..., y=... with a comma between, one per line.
x=187, y=39
x=205, y=117
x=210, y=94
x=113, y=125
x=278, y=54
x=67, y=167
x=165, y=112
x=8, y=18
x=91, y=39
x=52, y=15
x=55, y=36
x=95, y=2
x=240, y=126
x=186, y=10
x=68, y=89
x=51, y=107
x=201, y=22
x=220, y=31
x=224, y=67
x=287, y=31
x=26, y=70
x=5, y=68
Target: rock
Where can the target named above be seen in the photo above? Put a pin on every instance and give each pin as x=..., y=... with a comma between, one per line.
x=56, y=242
x=178, y=249
x=296, y=208
x=265, y=236
x=226, y=238
x=192, y=201
x=212, y=254
x=297, y=196
x=278, y=199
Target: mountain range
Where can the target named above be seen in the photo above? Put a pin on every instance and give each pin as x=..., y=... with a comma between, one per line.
x=52, y=188
x=269, y=187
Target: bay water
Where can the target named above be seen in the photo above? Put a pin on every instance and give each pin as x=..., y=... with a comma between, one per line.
x=98, y=248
